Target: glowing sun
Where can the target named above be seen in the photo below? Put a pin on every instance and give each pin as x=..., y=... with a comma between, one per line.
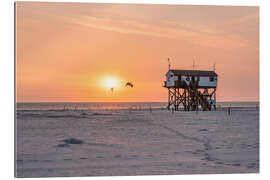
x=110, y=82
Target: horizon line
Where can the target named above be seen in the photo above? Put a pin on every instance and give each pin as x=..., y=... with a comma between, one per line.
x=112, y=101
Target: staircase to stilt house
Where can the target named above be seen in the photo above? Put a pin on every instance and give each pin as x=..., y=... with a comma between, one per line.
x=199, y=98
x=204, y=102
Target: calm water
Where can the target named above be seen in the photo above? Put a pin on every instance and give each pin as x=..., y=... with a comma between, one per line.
x=118, y=105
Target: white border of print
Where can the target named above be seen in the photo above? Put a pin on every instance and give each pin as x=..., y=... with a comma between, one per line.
x=7, y=88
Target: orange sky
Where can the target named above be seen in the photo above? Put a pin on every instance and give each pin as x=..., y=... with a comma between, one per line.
x=65, y=51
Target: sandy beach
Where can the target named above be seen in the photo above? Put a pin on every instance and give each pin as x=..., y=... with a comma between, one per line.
x=136, y=142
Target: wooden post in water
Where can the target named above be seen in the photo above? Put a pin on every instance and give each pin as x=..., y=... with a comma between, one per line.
x=229, y=111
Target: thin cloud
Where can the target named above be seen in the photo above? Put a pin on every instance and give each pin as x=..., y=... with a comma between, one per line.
x=120, y=26
x=196, y=34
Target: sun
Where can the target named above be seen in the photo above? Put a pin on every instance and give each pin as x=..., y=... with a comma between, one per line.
x=110, y=82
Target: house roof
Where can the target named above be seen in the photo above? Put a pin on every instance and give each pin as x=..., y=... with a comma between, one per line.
x=193, y=72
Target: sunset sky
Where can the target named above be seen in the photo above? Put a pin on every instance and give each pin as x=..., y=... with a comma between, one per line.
x=74, y=52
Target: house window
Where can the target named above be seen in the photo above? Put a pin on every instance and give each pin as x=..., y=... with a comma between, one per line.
x=171, y=75
x=211, y=79
x=198, y=78
x=187, y=78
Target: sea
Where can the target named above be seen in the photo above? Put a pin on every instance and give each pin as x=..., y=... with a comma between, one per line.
x=116, y=105
x=139, y=138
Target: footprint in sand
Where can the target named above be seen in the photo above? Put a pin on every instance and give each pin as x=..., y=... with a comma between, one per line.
x=237, y=164
x=63, y=145
x=219, y=162
x=67, y=159
x=117, y=156
x=251, y=165
x=203, y=130
x=179, y=164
